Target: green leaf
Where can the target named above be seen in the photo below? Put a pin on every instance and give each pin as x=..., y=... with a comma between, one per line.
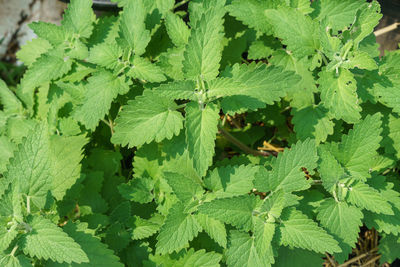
x=179, y=90
x=389, y=248
x=178, y=229
x=385, y=86
x=146, y=162
x=66, y=156
x=204, y=48
x=149, y=117
x=68, y=126
x=361, y=60
x=10, y=208
x=337, y=14
x=200, y=258
x=302, y=5
x=264, y=233
x=287, y=173
x=229, y=181
x=252, y=13
x=297, y=31
x=47, y=241
x=299, y=231
x=10, y=102
x=392, y=139
x=302, y=93
x=177, y=29
x=237, y=211
x=48, y=67
x=185, y=188
x=388, y=224
x=102, y=88
x=14, y=261
x=145, y=228
x=201, y=129
x=298, y=257
x=358, y=148
x=6, y=152
x=330, y=169
x=138, y=190
x=340, y=219
x=105, y=55
x=133, y=33
x=275, y=203
x=367, y=197
x=33, y=50
x=242, y=251
x=171, y=62
x=259, y=81
x=312, y=122
x=97, y=252
x=53, y=33
x=79, y=18
x=7, y=235
x=143, y=69
x=368, y=17
x=214, y=228
x=338, y=94
x=31, y=166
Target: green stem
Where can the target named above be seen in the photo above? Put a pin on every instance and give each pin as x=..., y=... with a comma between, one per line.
x=14, y=250
x=181, y=106
x=323, y=58
x=28, y=204
x=181, y=3
x=240, y=145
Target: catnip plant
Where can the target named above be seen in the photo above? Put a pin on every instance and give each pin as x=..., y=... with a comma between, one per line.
x=201, y=133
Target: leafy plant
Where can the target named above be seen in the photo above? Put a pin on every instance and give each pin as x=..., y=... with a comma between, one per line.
x=131, y=140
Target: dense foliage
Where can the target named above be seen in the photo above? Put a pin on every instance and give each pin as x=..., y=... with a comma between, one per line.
x=132, y=140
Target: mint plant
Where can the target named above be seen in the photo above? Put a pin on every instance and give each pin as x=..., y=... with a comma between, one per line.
x=209, y=133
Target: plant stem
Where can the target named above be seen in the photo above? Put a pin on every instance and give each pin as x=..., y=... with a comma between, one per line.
x=181, y=3
x=28, y=204
x=240, y=145
x=181, y=106
x=14, y=250
x=317, y=181
x=323, y=58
